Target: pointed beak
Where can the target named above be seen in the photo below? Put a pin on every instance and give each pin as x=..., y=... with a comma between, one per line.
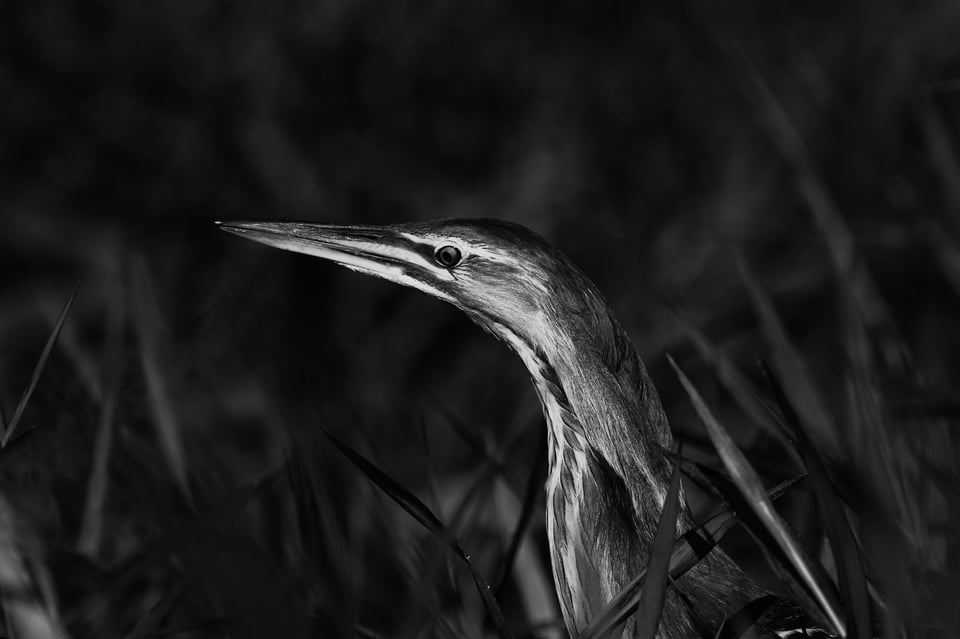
x=381, y=251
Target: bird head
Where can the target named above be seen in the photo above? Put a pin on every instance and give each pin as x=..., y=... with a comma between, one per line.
x=508, y=279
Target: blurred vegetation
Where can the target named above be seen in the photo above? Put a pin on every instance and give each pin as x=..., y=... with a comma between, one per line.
x=168, y=475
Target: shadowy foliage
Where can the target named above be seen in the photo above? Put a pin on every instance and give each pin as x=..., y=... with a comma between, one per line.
x=787, y=177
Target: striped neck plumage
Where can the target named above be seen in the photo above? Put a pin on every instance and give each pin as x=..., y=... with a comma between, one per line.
x=608, y=475
x=602, y=466
x=596, y=397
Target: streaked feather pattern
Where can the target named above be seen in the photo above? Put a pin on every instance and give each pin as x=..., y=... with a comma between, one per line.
x=607, y=476
x=607, y=480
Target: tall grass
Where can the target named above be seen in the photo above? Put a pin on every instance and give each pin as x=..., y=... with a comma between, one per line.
x=786, y=178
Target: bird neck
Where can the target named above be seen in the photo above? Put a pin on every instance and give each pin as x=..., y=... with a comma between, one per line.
x=608, y=479
x=599, y=401
x=607, y=475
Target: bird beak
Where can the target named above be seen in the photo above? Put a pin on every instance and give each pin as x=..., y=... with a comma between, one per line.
x=381, y=251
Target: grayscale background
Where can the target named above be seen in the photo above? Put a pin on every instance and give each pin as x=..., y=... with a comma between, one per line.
x=170, y=474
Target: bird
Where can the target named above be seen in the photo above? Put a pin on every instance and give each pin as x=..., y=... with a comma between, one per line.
x=607, y=431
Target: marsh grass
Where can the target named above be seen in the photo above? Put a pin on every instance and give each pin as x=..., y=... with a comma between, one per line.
x=788, y=183
x=272, y=553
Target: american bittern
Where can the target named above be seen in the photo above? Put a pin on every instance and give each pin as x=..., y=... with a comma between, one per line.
x=608, y=476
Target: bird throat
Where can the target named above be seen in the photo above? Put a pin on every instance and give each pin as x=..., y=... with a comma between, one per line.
x=578, y=514
x=607, y=480
x=606, y=484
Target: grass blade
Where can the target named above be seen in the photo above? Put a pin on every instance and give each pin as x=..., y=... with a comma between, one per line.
x=853, y=583
x=945, y=250
x=649, y=599
x=943, y=157
x=776, y=558
x=752, y=488
x=91, y=526
x=27, y=615
x=476, y=443
x=404, y=498
x=38, y=369
x=750, y=399
x=688, y=550
x=850, y=268
x=146, y=316
x=800, y=388
x=655, y=586
x=531, y=493
x=420, y=512
x=147, y=625
x=314, y=528
x=894, y=531
x=432, y=482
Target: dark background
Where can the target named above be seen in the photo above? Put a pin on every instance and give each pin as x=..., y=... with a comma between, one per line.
x=658, y=144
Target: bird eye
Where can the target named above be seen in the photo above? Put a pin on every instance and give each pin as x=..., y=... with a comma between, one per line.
x=448, y=256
